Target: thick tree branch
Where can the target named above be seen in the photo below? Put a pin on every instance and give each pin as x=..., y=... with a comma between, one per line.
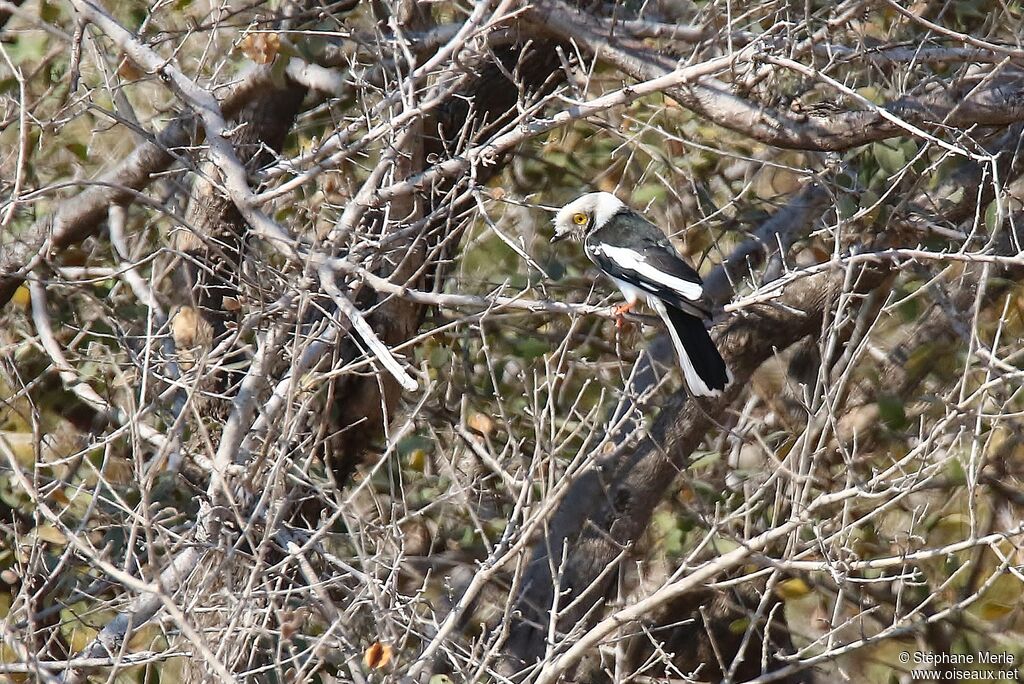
x=998, y=102
x=77, y=218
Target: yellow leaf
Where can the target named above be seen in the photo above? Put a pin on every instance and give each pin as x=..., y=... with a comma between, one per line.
x=81, y=637
x=146, y=638
x=22, y=445
x=417, y=459
x=21, y=297
x=9, y=655
x=994, y=610
x=76, y=632
x=49, y=533
x=791, y=589
x=739, y=626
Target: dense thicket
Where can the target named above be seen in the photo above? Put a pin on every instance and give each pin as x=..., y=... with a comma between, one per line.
x=294, y=388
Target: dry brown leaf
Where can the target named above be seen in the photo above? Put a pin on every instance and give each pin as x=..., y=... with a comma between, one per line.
x=377, y=656
x=261, y=48
x=291, y=622
x=127, y=69
x=478, y=422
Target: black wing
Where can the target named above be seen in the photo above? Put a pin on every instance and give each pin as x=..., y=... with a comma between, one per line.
x=630, y=248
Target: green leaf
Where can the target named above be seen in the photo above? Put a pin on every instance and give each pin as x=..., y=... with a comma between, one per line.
x=846, y=206
x=439, y=357
x=79, y=150
x=530, y=348
x=739, y=626
x=49, y=13
x=992, y=217
x=909, y=148
x=955, y=473
x=892, y=413
x=648, y=193
x=910, y=309
x=890, y=158
x=871, y=94
x=722, y=546
x=411, y=444
x=28, y=47
x=668, y=532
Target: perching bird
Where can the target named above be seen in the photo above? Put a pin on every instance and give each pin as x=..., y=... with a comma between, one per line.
x=642, y=262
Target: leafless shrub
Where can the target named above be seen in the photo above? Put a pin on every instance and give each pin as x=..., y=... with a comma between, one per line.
x=294, y=388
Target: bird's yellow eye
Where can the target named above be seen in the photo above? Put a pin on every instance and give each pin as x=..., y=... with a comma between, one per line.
x=579, y=219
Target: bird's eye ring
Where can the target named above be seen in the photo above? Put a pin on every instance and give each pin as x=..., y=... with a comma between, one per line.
x=579, y=219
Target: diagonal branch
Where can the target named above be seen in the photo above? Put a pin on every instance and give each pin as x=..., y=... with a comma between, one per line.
x=202, y=102
x=998, y=102
x=77, y=218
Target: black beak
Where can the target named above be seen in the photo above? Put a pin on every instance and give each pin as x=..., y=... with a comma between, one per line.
x=559, y=237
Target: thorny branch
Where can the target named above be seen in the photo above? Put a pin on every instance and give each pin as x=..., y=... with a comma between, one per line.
x=379, y=423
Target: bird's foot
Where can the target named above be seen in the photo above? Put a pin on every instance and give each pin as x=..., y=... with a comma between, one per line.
x=620, y=312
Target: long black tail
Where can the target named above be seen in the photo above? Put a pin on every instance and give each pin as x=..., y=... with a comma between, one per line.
x=704, y=370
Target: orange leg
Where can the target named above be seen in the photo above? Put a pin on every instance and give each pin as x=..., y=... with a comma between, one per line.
x=621, y=311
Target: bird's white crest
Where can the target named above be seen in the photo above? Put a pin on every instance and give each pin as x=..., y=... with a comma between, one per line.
x=600, y=206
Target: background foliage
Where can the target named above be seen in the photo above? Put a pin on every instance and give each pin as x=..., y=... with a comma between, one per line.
x=196, y=438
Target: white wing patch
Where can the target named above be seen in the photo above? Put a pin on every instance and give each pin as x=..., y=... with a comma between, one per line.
x=636, y=262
